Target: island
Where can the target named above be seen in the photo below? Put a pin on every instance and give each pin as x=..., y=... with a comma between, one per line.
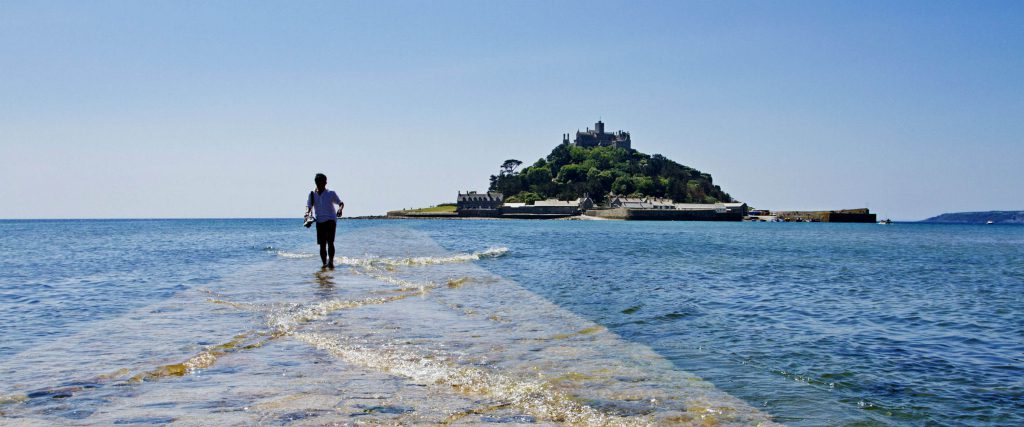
x=598, y=174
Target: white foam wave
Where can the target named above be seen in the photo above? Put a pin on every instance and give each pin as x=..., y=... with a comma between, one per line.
x=401, y=262
x=421, y=261
x=534, y=396
x=402, y=284
x=295, y=255
x=286, y=322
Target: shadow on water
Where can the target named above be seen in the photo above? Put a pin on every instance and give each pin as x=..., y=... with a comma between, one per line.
x=324, y=280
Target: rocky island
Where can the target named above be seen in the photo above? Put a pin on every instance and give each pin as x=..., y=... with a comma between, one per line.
x=598, y=174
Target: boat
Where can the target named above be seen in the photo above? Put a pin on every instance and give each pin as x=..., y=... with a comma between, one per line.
x=989, y=222
x=886, y=221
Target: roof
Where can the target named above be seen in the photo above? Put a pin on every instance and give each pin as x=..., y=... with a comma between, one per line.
x=630, y=199
x=473, y=196
x=661, y=202
x=700, y=206
x=556, y=202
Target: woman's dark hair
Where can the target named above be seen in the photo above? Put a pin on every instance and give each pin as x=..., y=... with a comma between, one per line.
x=320, y=178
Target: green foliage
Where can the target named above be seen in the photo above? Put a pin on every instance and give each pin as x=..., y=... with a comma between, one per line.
x=524, y=197
x=509, y=167
x=644, y=185
x=571, y=171
x=622, y=185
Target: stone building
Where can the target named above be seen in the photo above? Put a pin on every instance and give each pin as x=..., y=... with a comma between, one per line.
x=472, y=203
x=629, y=202
x=640, y=203
x=737, y=207
x=580, y=204
x=547, y=208
x=597, y=137
x=656, y=203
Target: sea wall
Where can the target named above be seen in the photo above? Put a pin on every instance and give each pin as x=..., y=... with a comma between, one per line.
x=851, y=217
x=485, y=213
x=846, y=215
x=616, y=213
x=539, y=210
x=664, y=215
x=410, y=214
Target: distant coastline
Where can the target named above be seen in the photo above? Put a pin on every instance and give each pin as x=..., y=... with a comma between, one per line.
x=986, y=217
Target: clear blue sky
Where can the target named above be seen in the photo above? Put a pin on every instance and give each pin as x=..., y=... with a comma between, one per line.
x=227, y=109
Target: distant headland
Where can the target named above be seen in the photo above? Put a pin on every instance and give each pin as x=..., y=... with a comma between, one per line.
x=989, y=217
x=598, y=174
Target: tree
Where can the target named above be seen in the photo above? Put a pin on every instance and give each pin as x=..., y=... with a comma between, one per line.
x=525, y=197
x=622, y=185
x=644, y=185
x=572, y=173
x=509, y=167
x=695, y=191
x=539, y=180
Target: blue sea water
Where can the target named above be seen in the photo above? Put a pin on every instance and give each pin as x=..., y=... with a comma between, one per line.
x=809, y=324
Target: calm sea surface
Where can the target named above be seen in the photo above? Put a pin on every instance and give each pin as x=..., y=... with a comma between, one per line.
x=231, y=322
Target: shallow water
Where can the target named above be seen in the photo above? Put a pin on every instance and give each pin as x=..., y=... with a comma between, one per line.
x=541, y=322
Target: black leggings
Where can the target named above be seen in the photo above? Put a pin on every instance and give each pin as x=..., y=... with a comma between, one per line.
x=325, y=238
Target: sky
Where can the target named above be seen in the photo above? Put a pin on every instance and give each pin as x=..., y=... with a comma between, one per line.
x=176, y=109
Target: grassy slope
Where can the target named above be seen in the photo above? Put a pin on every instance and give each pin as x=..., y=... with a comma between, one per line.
x=435, y=209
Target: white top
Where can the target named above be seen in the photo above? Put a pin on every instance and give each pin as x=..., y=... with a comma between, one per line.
x=323, y=205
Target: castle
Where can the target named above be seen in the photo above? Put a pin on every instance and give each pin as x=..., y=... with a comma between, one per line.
x=597, y=137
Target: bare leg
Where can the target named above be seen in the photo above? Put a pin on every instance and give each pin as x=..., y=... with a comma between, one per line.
x=323, y=254
x=330, y=252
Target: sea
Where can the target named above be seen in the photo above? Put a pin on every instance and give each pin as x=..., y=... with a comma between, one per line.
x=510, y=322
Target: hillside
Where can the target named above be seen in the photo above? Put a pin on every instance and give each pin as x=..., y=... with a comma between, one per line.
x=997, y=217
x=571, y=171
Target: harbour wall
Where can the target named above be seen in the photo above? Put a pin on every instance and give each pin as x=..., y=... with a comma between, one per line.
x=664, y=215
x=846, y=215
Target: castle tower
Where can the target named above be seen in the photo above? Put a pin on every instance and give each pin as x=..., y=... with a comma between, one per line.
x=599, y=127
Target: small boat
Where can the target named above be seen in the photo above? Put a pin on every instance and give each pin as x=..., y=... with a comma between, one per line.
x=886, y=221
x=989, y=222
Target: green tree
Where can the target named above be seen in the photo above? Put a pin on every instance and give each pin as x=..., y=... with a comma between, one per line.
x=539, y=181
x=572, y=173
x=527, y=197
x=622, y=185
x=643, y=185
x=509, y=166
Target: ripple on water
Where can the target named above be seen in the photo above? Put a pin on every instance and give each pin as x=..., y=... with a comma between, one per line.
x=817, y=323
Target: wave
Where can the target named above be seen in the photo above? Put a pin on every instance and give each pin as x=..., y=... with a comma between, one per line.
x=537, y=397
x=281, y=324
x=404, y=262
x=295, y=255
x=402, y=284
x=427, y=260
x=207, y=357
x=287, y=322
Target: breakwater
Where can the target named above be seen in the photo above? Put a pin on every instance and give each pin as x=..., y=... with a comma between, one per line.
x=843, y=215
